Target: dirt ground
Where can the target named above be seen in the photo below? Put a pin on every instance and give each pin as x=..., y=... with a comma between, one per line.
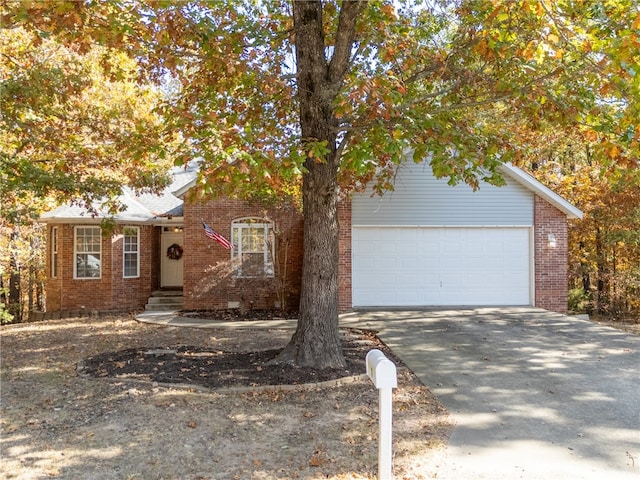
x=631, y=325
x=72, y=407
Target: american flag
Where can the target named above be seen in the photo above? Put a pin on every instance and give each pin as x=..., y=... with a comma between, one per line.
x=209, y=232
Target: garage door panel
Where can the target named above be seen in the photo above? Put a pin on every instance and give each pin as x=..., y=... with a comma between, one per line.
x=407, y=262
x=440, y=266
x=407, y=298
x=476, y=298
x=473, y=263
x=473, y=247
x=429, y=260
x=430, y=298
x=386, y=262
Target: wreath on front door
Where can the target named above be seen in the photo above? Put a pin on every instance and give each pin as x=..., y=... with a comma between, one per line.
x=174, y=252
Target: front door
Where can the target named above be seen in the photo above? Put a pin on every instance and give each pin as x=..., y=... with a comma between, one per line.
x=172, y=261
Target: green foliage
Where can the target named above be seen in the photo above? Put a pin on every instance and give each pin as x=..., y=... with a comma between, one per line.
x=579, y=300
x=5, y=317
x=451, y=82
x=463, y=84
x=74, y=125
x=77, y=122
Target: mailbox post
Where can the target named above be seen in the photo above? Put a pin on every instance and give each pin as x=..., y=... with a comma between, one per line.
x=382, y=373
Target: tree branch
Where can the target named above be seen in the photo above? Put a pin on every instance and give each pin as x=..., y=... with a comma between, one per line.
x=345, y=37
x=343, y=144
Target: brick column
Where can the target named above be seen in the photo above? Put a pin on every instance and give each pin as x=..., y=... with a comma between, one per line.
x=550, y=226
x=344, y=256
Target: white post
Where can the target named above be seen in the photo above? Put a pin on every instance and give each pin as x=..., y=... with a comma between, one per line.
x=382, y=373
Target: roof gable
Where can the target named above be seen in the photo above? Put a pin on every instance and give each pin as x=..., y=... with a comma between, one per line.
x=419, y=198
x=530, y=183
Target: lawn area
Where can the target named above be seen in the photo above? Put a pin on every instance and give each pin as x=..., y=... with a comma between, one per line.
x=56, y=423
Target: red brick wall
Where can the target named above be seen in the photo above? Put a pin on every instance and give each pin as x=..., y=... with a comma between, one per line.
x=111, y=291
x=551, y=287
x=54, y=285
x=82, y=294
x=210, y=283
x=133, y=293
x=344, y=256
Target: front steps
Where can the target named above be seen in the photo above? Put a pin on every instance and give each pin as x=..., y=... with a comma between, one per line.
x=165, y=301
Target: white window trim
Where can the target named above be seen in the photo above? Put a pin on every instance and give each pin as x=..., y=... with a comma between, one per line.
x=75, y=253
x=240, y=224
x=137, y=252
x=54, y=252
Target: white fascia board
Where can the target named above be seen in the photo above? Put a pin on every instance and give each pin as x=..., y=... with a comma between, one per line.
x=92, y=220
x=182, y=191
x=538, y=188
x=168, y=222
x=73, y=220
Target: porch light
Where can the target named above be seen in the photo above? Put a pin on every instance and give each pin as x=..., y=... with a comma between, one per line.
x=552, y=240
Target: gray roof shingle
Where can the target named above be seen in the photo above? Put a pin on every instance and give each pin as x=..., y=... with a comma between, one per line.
x=137, y=208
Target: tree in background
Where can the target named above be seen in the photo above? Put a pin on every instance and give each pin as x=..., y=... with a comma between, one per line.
x=75, y=126
x=604, y=247
x=594, y=162
x=334, y=94
x=607, y=244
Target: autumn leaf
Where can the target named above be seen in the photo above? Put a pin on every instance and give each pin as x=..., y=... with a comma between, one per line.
x=318, y=459
x=614, y=151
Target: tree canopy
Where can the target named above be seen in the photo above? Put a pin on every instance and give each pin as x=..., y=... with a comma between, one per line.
x=453, y=81
x=604, y=247
x=75, y=125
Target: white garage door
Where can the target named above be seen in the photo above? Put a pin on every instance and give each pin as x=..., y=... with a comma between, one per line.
x=440, y=266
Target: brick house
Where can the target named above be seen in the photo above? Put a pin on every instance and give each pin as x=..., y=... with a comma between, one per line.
x=424, y=244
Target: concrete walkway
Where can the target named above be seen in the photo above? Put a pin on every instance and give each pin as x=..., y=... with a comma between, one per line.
x=172, y=319
x=535, y=395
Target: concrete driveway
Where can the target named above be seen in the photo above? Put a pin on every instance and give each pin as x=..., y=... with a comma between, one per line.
x=535, y=395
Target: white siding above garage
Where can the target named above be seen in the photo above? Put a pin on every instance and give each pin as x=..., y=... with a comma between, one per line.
x=419, y=199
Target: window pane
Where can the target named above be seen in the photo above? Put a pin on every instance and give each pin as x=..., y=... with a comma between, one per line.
x=253, y=239
x=130, y=265
x=88, y=249
x=54, y=252
x=235, y=234
x=253, y=252
x=88, y=266
x=130, y=252
x=253, y=264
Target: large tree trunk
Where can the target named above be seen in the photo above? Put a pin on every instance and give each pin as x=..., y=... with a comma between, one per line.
x=316, y=342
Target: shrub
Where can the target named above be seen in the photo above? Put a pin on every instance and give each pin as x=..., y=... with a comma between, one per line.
x=579, y=300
